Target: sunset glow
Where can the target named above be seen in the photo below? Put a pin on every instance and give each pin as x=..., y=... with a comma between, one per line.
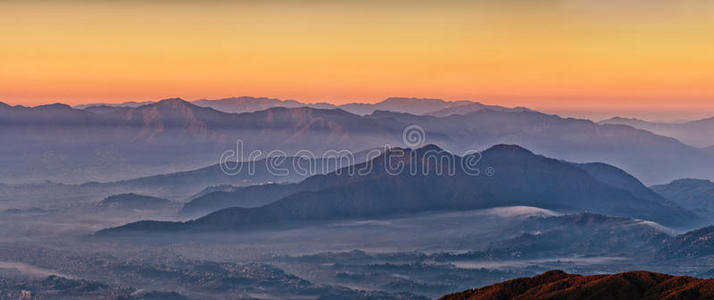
x=570, y=54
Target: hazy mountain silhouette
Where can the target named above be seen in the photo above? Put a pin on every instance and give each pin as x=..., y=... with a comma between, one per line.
x=693, y=244
x=252, y=104
x=619, y=178
x=694, y=194
x=462, y=109
x=246, y=173
x=258, y=195
x=574, y=235
x=519, y=178
x=579, y=140
x=132, y=201
x=123, y=104
x=627, y=285
x=417, y=106
x=584, y=234
x=113, y=143
x=51, y=114
x=110, y=143
x=698, y=133
x=251, y=196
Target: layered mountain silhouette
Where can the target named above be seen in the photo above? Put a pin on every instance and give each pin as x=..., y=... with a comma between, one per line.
x=251, y=196
x=517, y=177
x=583, y=234
x=113, y=143
x=276, y=169
x=694, y=244
x=123, y=104
x=467, y=108
x=417, y=106
x=132, y=201
x=694, y=194
x=579, y=140
x=252, y=104
x=698, y=133
x=210, y=200
x=572, y=235
x=560, y=285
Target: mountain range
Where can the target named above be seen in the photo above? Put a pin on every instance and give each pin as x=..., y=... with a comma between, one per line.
x=254, y=196
x=584, y=235
x=132, y=201
x=698, y=133
x=578, y=235
x=180, y=185
x=416, y=106
x=518, y=178
x=694, y=194
x=107, y=143
x=115, y=143
x=693, y=244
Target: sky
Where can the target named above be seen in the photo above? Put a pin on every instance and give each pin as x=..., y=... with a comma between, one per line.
x=627, y=56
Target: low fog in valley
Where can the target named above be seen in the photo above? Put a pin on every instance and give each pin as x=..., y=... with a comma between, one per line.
x=536, y=192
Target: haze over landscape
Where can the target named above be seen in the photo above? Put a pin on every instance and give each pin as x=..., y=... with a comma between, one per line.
x=556, y=149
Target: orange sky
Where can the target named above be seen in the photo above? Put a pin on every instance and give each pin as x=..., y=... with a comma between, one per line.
x=570, y=54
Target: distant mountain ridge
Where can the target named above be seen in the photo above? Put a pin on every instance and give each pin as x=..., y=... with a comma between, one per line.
x=693, y=244
x=588, y=234
x=165, y=136
x=132, y=201
x=416, y=106
x=699, y=133
x=252, y=104
x=246, y=173
x=520, y=178
x=570, y=139
x=694, y=194
x=592, y=235
x=123, y=104
x=467, y=108
x=573, y=235
x=115, y=143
